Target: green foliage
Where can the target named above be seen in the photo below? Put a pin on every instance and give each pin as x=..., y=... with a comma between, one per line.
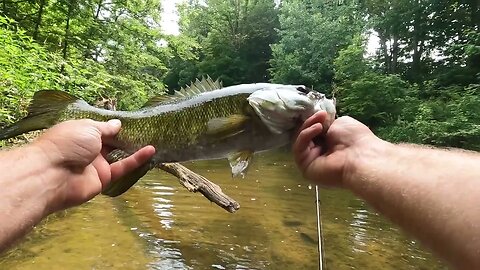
x=351, y=64
x=421, y=85
x=234, y=37
x=92, y=49
x=311, y=35
x=130, y=70
x=182, y=64
x=374, y=99
x=453, y=122
x=90, y=81
x=25, y=67
x=442, y=111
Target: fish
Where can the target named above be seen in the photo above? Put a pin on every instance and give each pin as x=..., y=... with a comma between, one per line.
x=308, y=239
x=292, y=223
x=203, y=121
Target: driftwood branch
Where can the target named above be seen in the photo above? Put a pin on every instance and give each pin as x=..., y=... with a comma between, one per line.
x=194, y=182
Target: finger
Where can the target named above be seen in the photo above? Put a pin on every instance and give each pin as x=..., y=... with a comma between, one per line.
x=318, y=117
x=304, y=150
x=103, y=170
x=305, y=137
x=132, y=162
x=309, y=155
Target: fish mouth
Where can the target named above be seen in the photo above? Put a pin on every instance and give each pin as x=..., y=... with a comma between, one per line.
x=315, y=96
x=281, y=99
x=304, y=89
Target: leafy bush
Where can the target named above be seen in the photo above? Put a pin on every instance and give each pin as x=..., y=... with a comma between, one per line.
x=25, y=67
x=453, y=122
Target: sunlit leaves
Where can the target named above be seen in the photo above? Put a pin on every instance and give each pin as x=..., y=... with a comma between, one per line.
x=234, y=37
x=311, y=35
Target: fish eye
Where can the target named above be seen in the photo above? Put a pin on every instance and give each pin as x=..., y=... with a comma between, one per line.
x=303, y=89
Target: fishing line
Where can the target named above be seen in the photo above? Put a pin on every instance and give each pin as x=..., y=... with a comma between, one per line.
x=319, y=230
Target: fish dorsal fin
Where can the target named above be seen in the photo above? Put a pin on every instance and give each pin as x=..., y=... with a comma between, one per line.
x=157, y=100
x=199, y=86
x=195, y=88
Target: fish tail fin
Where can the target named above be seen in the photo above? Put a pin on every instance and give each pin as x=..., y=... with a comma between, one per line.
x=125, y=182
x=43, y=112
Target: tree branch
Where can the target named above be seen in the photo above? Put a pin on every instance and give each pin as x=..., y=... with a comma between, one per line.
x=194, y=182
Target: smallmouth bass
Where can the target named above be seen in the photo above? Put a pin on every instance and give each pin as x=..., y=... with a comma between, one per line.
x=201, y=122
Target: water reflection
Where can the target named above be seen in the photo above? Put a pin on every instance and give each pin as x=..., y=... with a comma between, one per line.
x=162, y=206
x=359, y=227
x=159, y=225
x=164, y=252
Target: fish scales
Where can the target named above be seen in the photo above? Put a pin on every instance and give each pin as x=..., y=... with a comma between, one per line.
x=172, y=131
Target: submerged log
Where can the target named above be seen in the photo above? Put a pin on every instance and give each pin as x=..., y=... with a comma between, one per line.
x=194, y=182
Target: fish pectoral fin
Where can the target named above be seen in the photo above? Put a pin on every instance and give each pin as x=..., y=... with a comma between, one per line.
x=116, y=155
x=226, y=126
x=239, y=162
x=125, y=182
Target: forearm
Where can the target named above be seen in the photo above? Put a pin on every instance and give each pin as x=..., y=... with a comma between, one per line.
x=433, y=194
x=27, y=190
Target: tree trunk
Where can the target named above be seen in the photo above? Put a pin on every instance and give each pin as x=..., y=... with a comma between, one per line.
x=67, y=29
x=395, y=51
x=38, y=21
x=97, y=13
x=475, y=5
x=91, y=32
x=418, y=44
x=386, y=55
x=71, y=4
x=474, y=59
x=418, y=40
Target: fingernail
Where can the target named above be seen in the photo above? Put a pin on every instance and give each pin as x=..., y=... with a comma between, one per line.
x=115, y=122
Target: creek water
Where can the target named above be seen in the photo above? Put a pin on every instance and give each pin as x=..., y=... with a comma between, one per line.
x=160, y=225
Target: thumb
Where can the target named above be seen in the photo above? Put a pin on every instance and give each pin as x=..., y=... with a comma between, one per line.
x=108, y=129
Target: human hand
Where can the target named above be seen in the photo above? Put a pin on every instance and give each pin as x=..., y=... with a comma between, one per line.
x=330, y=163
x=78, y=149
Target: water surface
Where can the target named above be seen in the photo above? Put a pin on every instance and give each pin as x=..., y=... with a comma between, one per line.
x=159, y=225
